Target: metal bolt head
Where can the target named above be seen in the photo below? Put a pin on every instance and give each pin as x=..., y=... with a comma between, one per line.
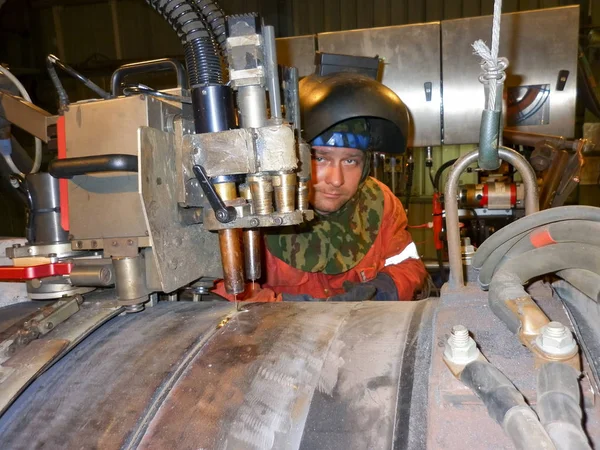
x=460, y=347
x=130, y=242
x=78, y=244
x=556, y=340
x=115, y=243
x=254, y=222
x=94, y=244
x=49, y=325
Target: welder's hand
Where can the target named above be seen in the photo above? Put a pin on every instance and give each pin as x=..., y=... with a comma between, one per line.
x=355, y=292
x=380, y=288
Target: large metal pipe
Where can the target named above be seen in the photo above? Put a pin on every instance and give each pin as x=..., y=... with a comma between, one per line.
x=451, y=203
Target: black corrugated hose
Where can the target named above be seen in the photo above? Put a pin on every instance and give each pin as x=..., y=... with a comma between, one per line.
x=201, y=51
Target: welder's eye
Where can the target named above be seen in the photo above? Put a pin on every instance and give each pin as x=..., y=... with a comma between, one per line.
x=351, y=162
x=318, y=159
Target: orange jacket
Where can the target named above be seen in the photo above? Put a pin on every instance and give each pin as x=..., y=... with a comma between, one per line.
x=392, y=253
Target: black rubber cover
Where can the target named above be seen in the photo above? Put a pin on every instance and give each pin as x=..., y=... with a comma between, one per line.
x=70, y=167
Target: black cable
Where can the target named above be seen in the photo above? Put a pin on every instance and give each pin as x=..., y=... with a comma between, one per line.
x=431, y=179
x=409, y=183
x=54, y=61
x=438, y=173
x=138, y=88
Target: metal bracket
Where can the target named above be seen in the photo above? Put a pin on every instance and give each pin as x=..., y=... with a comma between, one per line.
x=222, y=213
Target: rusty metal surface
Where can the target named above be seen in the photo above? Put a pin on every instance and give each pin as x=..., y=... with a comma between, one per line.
x=17, y=372
x=182, y=253
x=456, y=417
x=95, y=396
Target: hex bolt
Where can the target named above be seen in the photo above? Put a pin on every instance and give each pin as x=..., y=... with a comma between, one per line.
x=460, y=348
x=556, y=339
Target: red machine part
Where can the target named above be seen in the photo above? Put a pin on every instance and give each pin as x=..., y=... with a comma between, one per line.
x=61, y=141
x=15, y=273
x=438, y=221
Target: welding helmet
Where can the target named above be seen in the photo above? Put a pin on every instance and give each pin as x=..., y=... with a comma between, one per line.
x=352, y=110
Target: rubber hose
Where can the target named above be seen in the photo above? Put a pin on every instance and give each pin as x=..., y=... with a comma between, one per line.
x=201, y=55
x=507, y=283
x=558, y=405
x=492, y=262
x=203, y=62
x=582, y=231
x=215, y=18
x=584, y=280
x=506, y=405
x=527, y=223
x=85, y=80
x=440, y=171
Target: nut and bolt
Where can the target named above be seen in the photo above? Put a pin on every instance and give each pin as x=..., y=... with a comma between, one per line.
x=78, y=244
x=49, y=325
x=556, y=339
x=460, y=347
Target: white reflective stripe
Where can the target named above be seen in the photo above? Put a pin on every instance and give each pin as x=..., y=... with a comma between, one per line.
x=409, y=252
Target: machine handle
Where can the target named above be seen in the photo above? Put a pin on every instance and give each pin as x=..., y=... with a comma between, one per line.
x=155, y=65
x=224, y=214
x=16, y=273
x=70, y=167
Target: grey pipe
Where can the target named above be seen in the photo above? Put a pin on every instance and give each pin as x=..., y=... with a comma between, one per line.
x=582, y=231
x=506, y=405
x=530, y=222
x=507, y=283
x=558, y=405
x=272, y=73
x=451, y=203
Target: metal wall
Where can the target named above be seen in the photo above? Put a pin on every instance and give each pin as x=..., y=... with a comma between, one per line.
x=84, y=30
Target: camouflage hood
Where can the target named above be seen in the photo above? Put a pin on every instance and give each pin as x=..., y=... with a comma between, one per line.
x=335, y=243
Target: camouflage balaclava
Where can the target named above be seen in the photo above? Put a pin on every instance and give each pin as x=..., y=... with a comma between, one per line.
x=336, y=242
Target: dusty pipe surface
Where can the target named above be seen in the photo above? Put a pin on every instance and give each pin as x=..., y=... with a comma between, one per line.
x=230, y=243
x=451, y=196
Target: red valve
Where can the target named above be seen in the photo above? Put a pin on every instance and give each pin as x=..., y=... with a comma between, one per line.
x=15, y=273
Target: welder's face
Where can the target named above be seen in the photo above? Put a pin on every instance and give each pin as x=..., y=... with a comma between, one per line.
x=336, y=175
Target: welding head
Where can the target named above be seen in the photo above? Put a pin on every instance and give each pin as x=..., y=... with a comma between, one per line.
x=333, y=106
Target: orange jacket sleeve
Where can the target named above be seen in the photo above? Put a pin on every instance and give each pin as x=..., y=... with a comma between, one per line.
x=400, y=257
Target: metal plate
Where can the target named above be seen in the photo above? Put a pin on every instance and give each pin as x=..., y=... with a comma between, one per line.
x=412, y=58
x=297, y=52
x=182, y=253
x=538, y=44
x=109, y=205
